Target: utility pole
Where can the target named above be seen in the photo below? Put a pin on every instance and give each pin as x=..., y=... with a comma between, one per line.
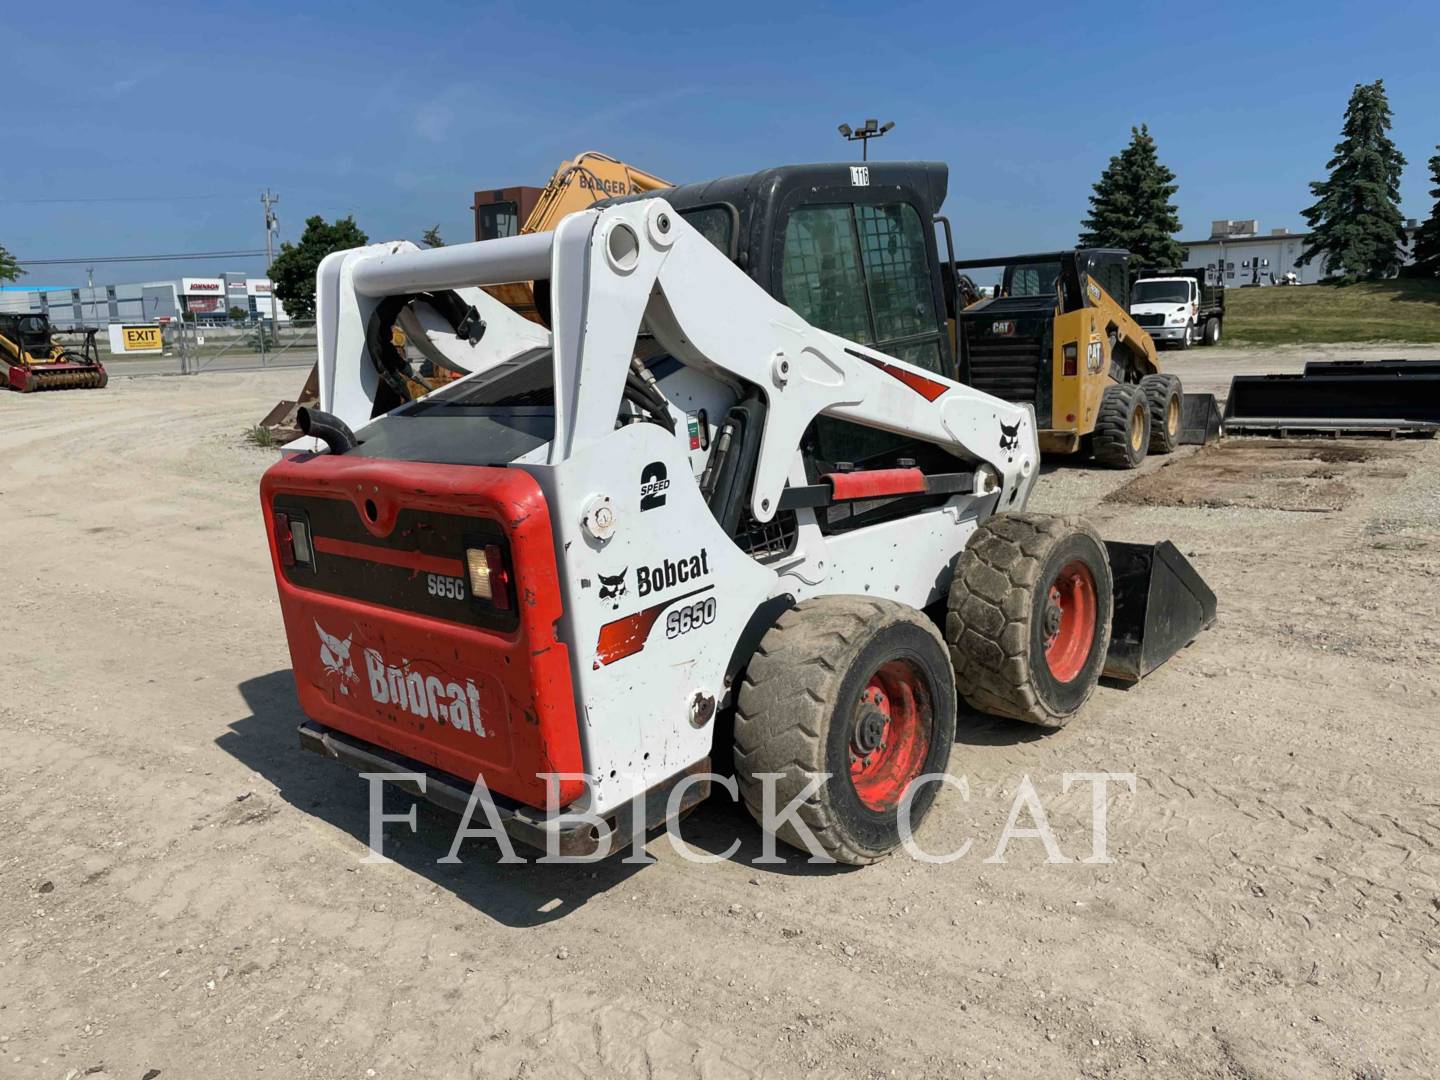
x=272, y=226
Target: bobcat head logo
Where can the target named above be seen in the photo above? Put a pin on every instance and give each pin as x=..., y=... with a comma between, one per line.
x=335, y=658
x=1010, y=436
x=612, y=588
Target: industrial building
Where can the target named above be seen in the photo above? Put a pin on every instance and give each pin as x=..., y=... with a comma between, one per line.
x=1249, y=257
x=207, y=300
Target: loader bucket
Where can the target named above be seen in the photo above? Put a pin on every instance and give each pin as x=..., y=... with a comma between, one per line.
x=1161, y=605
x=1199, y=420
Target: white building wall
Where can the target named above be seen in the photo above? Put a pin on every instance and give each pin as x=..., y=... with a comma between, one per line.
x=1250, y=260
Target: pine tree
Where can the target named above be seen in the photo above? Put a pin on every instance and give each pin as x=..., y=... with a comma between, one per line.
x=1131, y=206
x=432, y=237
x=9, y=268
x=1355, y=221
x=1427, y=237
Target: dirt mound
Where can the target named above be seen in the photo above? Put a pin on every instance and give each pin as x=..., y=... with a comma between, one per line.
x=1317, y=476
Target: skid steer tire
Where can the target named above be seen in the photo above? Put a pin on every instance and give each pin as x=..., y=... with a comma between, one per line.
x=1029, y=617
x=1165, y=398
x=861, y=690
x=1122, y=427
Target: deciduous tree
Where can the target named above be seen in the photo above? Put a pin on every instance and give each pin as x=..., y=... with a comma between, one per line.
x=9, y=268
x=293, y=271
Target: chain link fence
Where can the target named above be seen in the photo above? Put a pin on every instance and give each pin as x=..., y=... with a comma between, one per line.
x=189, y=349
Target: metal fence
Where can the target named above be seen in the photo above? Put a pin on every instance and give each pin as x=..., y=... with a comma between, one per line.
x=193, y=350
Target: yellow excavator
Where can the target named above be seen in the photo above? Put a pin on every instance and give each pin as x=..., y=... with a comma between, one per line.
x=31, y=358
x=578, y=183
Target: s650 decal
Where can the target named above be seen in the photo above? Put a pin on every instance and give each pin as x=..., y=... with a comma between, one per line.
x=447, y=588
x=690, y=617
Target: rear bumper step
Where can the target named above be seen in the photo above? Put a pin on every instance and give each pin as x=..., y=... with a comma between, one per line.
x=574, y=839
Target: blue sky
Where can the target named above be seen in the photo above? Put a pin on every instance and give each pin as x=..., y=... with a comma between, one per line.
x=398, y=112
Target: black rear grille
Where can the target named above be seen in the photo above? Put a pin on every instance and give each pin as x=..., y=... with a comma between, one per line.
x=1008, y=368
x=1149, y=319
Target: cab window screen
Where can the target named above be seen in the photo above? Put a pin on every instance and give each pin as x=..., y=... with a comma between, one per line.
x=716, y=224
x=1034, y=279
x=897, y=273
x=820, y=275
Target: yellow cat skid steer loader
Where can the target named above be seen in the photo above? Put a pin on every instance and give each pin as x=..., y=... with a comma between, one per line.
x=31, y=359
x=551, y=580
x=1058, y=336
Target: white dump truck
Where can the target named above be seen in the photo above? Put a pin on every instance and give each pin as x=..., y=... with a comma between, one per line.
x=1180, y=307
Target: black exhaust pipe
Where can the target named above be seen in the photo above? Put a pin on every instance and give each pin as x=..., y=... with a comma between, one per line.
x=326, y=427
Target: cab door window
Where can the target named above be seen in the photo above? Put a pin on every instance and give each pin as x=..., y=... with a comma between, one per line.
x=863, y=272
x=820, y=275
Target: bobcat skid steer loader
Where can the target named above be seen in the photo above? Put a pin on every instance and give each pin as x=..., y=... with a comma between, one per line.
x=556, y=574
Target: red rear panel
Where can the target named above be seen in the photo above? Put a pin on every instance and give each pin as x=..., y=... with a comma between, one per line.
x=387, y=642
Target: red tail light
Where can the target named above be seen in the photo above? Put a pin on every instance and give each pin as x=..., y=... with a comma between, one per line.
x=284, y=539
x=1072, y=358
x=292, y=538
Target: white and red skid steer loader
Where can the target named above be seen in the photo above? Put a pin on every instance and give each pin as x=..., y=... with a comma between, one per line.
x=557, y=573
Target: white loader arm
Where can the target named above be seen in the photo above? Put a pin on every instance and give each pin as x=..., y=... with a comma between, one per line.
x=641, y=260
x=636, y=263
x=348, y=379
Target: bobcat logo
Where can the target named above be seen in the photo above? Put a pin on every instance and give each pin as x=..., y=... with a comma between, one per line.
x=612, y=588
x=1010, y=436
x=335, y=657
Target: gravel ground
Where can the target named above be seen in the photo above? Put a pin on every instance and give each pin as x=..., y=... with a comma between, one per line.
x=181, y=891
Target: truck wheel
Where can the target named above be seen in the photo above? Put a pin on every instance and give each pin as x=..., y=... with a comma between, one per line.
x=861, y=692
x=1122, y=427
x=1029, y=617
x=1188, y=338
x=1212, y=331
x=1166, y=400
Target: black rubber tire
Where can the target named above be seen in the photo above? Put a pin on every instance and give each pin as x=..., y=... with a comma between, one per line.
x=1114, y=443
x=796, y=711
x=1212, y=332
x=1160, y=392
x=995, y=624
x=1189, y=338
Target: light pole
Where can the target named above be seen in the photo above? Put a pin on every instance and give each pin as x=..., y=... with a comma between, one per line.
x=870, y=129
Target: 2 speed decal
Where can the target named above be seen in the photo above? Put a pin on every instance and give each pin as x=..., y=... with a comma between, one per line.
x=654, y=482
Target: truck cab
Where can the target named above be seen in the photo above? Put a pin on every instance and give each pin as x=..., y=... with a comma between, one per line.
x=1179, y=308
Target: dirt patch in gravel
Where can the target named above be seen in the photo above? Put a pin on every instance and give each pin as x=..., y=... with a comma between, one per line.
x=1306, y=475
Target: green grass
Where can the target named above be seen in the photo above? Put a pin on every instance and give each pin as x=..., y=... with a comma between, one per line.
x=259, y=436
x=1405, y=309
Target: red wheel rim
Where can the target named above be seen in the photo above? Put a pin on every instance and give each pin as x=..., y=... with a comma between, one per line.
x=890, y=734
x=1070, y=612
